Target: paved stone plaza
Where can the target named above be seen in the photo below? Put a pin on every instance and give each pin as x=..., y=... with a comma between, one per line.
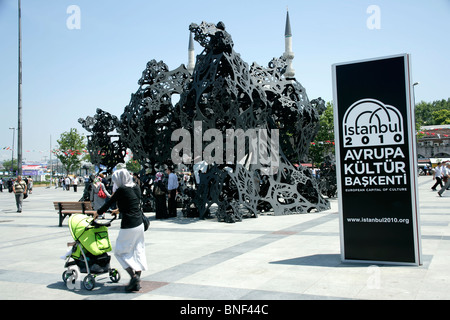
x=293, y=257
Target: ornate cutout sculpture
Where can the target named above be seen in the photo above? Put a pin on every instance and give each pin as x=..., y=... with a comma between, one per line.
x=226, y=95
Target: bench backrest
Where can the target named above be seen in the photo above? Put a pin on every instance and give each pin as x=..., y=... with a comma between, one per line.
x=73, y=205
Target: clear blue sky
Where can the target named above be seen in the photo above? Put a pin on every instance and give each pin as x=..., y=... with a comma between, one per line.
x=67, y=74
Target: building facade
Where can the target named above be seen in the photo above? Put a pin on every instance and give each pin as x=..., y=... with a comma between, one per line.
x=434, y=142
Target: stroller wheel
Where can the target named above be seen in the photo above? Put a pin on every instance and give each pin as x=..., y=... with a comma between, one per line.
x=67, y=274
x=114, y=275
x=89, y=282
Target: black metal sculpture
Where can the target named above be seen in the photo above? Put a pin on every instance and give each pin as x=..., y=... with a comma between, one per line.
x=105, y=148
x=222, y=95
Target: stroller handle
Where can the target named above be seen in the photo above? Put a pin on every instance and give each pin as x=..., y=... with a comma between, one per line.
x=107, y=223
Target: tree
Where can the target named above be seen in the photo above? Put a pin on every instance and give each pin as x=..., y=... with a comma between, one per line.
x=7, y=165
x=323, y=144
x=441, y=117
x=71, y=150
x=432, y=113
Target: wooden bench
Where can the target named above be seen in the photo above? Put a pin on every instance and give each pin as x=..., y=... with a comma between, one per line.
x=73, y=207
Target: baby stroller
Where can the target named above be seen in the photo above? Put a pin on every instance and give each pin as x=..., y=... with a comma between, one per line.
x=89, y=251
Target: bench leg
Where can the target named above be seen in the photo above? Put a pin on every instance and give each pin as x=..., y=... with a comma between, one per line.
x=60, y=219
x=60, y=214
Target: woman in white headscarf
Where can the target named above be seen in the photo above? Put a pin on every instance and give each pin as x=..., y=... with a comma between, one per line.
x=130, y=243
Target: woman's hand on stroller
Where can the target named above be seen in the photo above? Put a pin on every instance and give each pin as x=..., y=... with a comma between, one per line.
x=95, y=215
x=115, y=212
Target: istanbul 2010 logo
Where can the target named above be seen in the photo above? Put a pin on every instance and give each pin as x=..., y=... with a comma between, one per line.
x=369, y=122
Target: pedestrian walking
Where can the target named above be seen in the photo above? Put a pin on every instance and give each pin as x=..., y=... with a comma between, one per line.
x=130, y=243
x=67, y=182
x=445, y=178
x=1, y=184
x=172, y=186
x=30, y=185
x=19, y=189
x=75, y=184
x=437, y=176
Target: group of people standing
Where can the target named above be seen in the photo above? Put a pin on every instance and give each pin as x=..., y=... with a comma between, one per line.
x=160, y=190
x=441, y=175
x=164, y=193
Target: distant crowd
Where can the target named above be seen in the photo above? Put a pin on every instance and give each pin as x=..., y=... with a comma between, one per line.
x=67, y=181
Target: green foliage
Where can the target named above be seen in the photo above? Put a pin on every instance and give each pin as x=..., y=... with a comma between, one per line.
x=7, y=165
x=434, y=113
x=441, y=116
x=71, y=150
x=323, y=144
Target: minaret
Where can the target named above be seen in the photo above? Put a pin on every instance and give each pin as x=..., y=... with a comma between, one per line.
x=191, y=55
x=288, y=54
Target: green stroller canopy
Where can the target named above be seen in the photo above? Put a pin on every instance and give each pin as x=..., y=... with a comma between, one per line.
x=94, y=239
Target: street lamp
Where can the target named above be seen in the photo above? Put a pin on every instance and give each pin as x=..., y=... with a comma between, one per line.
x=414, y=94
x=12, y=151
x=19, y=127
